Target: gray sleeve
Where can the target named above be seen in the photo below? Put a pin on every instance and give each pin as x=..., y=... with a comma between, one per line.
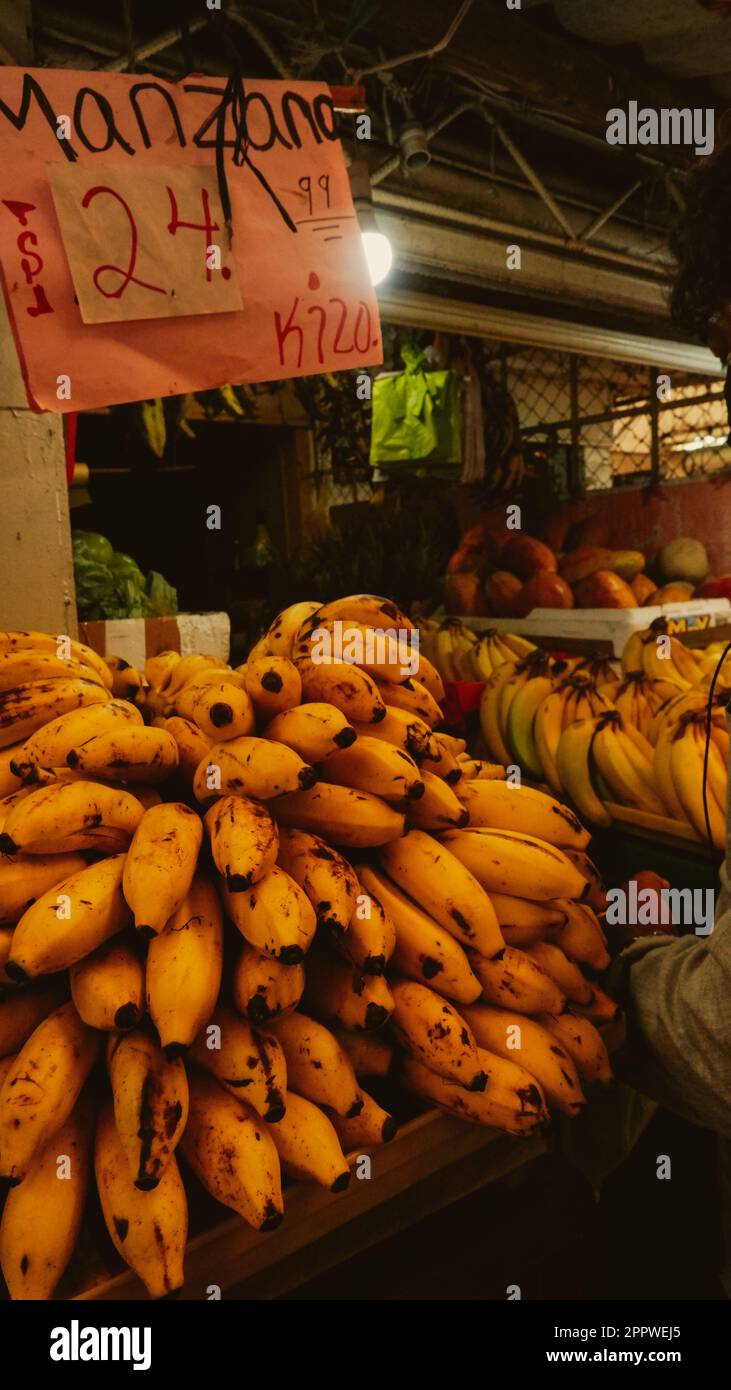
x=677, y=998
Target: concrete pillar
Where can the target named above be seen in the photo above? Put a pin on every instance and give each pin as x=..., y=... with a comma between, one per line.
x=36, y=567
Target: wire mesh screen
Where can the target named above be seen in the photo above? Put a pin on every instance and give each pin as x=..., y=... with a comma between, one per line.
x=621, y=424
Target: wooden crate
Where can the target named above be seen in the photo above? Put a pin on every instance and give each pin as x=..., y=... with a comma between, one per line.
x=434, y=1160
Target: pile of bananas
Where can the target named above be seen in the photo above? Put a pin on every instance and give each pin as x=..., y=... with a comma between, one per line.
x=460, y=655
x=190, y=965
x=634, y=738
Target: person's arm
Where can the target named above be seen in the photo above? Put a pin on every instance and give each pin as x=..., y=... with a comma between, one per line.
x=677, y=998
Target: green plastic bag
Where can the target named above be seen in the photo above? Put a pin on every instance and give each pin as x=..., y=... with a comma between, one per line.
x=416, y=415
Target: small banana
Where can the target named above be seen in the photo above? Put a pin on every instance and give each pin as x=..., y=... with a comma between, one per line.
x=160, y=864
x=250, y=1065
x=263, y=988
x=317, y=1066
x=150, y=1096
x=244, y=840
x=149, y=1229
x=108, y=987
x=274, y=915
x=314, y=731
x=184, y=966
x=254, y=767
x=308, y=1145
x=233, y=1154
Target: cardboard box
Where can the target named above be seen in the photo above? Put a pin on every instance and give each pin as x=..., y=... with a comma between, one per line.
x=606, y=630
x=137, y=638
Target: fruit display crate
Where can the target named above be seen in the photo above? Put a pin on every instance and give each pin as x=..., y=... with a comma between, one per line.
x=605, y=631
x=434, y=1160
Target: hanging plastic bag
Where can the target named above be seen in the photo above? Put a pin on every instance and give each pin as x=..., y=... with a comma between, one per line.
x=416, y=415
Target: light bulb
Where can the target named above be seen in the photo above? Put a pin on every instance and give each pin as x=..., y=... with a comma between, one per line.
x=378, y=254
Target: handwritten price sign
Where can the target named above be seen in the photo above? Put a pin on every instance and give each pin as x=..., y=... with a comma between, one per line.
x=116, y=266
x=133, y=253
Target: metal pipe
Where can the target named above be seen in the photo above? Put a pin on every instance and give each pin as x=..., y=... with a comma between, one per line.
x=439, y=47
x=146, y=50
x=390, y=165
x=604, y=216
x=531, y=175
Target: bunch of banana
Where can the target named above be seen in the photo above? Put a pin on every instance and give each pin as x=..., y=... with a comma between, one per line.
x=678, y=767
x=460, y=654
x=251, y=1059
x=508, y=732
x=661, y=656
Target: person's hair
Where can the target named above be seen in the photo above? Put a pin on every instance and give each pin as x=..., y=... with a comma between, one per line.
x=701, y=243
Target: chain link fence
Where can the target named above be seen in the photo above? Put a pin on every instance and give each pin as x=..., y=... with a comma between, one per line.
x=603, y=424
x=618, y=424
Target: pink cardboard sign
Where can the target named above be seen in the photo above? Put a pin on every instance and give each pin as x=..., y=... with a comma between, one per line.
x=296, y=257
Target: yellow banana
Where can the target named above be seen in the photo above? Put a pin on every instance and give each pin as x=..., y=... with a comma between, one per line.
x=274, y=915
x=521, y=724
x=128, y=683
x=342, y=994
x=70, y=920
x=193, y=745
x=21, y=1010
x=660, y=661
x=108, y=987
x=26, y=877
x=158, y=669
x=373, y=1126
x=625, y=777
x=252, y=767
x=632, y=652
x=515, y=913
x=42, y=1087
x=482, y=659
x=26, y=707
x=250, y=1065
x=343, y=816
x=12, y=781
x=184, y=964
x=512, y=979
x=50, y=745
x=372, y=765
x=600, y=1010
x=274, y=685
x=370, y=939
x=317, y=1066
x=244, y=840
x=377, y=612
x=516, y=1105
x=519, y=1039
x=148, y=1229
x=438, y=808
x=490, y=713
x=21, y=668
x=444, y=887
x=547, y=728
x=150, y=1097
x=584, y=1044
x=503, y=860
x=184, y=670
x=403, y=730
x=413, y=697
x=283, y=632
x=11, y=642
x=686, y=766
x=565, y=972
x=370, y=1055
x=664, y=778
x=42, y=1214
x=314, y=731
x=424, y=951
x=595, y=893
x=222, y=711
x=574, y=767
x=132, y=752
x=67, y=816
x=160, y=864
x=263, y=988
x=580, y=936
x=308, y=1145
x=326, y=877
x=430, y=1029
x=505, y=806
x=349, y=688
